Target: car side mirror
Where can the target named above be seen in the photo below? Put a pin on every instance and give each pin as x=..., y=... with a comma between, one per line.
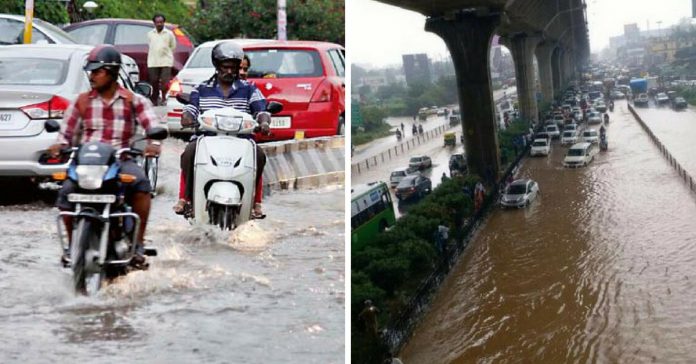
x=274, y=107
x=143, y=88
x=183, y=98
x=51, y=126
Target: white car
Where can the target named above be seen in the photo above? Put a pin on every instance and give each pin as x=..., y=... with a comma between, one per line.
x=662, y=98
x=579, y=155
x=569, y=137
x=590, y=136
x=570, y=127
x=552, y=130
x=540, y=147
x=520, y=193
x=594, y=117
x=398, y=174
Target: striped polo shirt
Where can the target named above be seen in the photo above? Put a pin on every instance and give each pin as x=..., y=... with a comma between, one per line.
x=243, y=96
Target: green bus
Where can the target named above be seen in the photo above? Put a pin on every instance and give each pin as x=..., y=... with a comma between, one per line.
x=371, y=212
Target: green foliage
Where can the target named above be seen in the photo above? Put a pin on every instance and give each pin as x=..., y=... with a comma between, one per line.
x=175, y=11
x=321, y=20
x=51, y=11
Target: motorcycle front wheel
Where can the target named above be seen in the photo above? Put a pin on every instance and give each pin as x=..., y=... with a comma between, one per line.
x=85, y=237
x=151, y=165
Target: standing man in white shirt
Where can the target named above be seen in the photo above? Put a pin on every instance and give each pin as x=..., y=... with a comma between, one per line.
x=160, y=58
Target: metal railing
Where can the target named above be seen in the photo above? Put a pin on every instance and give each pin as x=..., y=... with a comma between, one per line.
x=688, y=179
x=399, y=149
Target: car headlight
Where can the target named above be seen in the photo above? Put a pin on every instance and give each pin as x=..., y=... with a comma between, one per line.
x=90, y=177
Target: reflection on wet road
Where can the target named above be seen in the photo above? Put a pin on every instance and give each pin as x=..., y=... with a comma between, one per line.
x=272, y=291
x=599, y=269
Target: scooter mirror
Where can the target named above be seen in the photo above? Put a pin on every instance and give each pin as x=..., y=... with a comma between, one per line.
x=157, y=133
x=51, y=126
x=274, y=107
x=183, y=98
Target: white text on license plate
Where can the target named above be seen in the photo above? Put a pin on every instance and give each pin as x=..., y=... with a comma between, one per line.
x=280, y=122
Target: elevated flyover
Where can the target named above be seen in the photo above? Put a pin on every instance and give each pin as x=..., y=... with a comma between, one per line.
x=555, y=31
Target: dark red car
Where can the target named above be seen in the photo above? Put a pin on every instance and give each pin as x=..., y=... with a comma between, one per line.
x=129, y=36
x=308, y=78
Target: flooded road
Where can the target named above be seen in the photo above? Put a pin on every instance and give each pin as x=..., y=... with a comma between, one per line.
x=272, y=291
x=601, y=268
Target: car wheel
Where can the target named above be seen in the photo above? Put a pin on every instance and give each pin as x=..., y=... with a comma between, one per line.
x=341, y=129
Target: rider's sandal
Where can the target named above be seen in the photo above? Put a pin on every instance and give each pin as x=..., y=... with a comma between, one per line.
x=257, y=213
x=180, y=207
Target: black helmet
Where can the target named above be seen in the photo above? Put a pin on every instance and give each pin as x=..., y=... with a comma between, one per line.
x=103, y=56
x=226, y=51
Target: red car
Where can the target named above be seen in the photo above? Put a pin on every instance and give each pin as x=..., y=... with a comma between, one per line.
x=129, y=36
x=308, y=78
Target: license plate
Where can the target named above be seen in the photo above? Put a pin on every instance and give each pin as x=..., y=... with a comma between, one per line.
x=80, y=197
x=5, y=118
x=280, y=122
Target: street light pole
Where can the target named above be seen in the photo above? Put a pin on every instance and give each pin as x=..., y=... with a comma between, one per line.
x=28, y=20
x=282, y=21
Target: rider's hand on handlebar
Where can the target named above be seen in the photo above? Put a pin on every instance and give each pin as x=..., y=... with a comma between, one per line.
x=264, y=120
x=152, y=150
x=187, y=121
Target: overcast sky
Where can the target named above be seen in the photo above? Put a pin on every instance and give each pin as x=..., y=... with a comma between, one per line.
x=378, y=34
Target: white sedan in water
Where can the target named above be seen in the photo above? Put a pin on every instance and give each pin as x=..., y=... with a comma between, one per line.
x=520, y=193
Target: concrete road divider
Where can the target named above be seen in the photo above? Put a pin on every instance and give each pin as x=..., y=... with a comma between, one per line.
x=309, y=163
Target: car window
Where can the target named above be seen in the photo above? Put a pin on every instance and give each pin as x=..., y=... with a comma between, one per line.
x=284, y=63
x=200, y=58
x=91, y=34
x=12, y=32
x=338, y=62
x=55, y=34
x=32, y=71
x=131, y=34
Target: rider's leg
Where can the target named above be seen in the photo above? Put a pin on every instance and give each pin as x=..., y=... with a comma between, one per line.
x=260, y=164
x=138, y=195
x=63, y=205
x=187, y=158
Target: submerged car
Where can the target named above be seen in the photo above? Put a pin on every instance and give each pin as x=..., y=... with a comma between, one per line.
x=641, y=100
x=679, y=103
x=661, y=98
x=38, y=82
x=579, y=155
x=413, y=186
x=540, y=147
x=520, y=193
x=590, y=136
x=569, y=137
x=420, y=162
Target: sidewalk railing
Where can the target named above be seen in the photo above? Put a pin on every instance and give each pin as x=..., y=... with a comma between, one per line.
x=401, y=148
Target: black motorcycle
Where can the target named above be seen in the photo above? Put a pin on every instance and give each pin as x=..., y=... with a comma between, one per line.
x=104, y=225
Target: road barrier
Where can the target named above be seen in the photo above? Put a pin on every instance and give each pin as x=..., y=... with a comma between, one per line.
x=306, y=163
x=672, y=161
x=399, y=149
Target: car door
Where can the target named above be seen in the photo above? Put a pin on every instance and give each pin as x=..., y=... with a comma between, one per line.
x=131, y=39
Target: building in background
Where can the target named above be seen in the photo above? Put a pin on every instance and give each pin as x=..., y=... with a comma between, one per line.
x=417, y=69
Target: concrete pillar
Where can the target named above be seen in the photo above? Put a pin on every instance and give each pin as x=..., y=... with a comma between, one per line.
x=522, y=49
x=564, y=70
x=544, y=52
x=556, y=71
x=468, y=38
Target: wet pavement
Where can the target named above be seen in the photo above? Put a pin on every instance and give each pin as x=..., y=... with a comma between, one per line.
x=271, y=291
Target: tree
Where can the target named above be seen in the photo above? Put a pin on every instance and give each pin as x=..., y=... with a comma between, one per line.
x=321, y=20
x=51, y=11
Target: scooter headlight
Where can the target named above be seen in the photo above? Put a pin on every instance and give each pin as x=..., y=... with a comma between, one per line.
x=228, y=123
x=90, y=177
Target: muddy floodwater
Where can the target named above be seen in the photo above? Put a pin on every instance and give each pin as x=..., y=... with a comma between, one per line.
x=600, y=269
x=271, y=291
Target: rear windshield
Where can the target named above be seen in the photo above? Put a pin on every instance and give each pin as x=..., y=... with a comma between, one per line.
x=32, y=71
x=589, y=133
x=540, y=143
x=415, y=160
x=398, y=174
x=284, y=63
x=568, y=134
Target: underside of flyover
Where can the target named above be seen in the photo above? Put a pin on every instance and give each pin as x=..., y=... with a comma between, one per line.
x=553, y=31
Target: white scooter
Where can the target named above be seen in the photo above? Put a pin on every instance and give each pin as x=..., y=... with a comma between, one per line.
x=224, y=177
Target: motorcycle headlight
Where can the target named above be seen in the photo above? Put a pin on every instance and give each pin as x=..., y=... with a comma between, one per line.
x=90, y=177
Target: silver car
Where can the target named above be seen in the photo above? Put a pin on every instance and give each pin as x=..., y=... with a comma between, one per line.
x=37, y=83
x=43, y=32
x=520, y=193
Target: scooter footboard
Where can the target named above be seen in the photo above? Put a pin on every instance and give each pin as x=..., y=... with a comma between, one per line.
x=225, y=193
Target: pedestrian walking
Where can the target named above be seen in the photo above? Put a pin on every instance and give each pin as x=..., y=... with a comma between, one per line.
x=160, y=58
